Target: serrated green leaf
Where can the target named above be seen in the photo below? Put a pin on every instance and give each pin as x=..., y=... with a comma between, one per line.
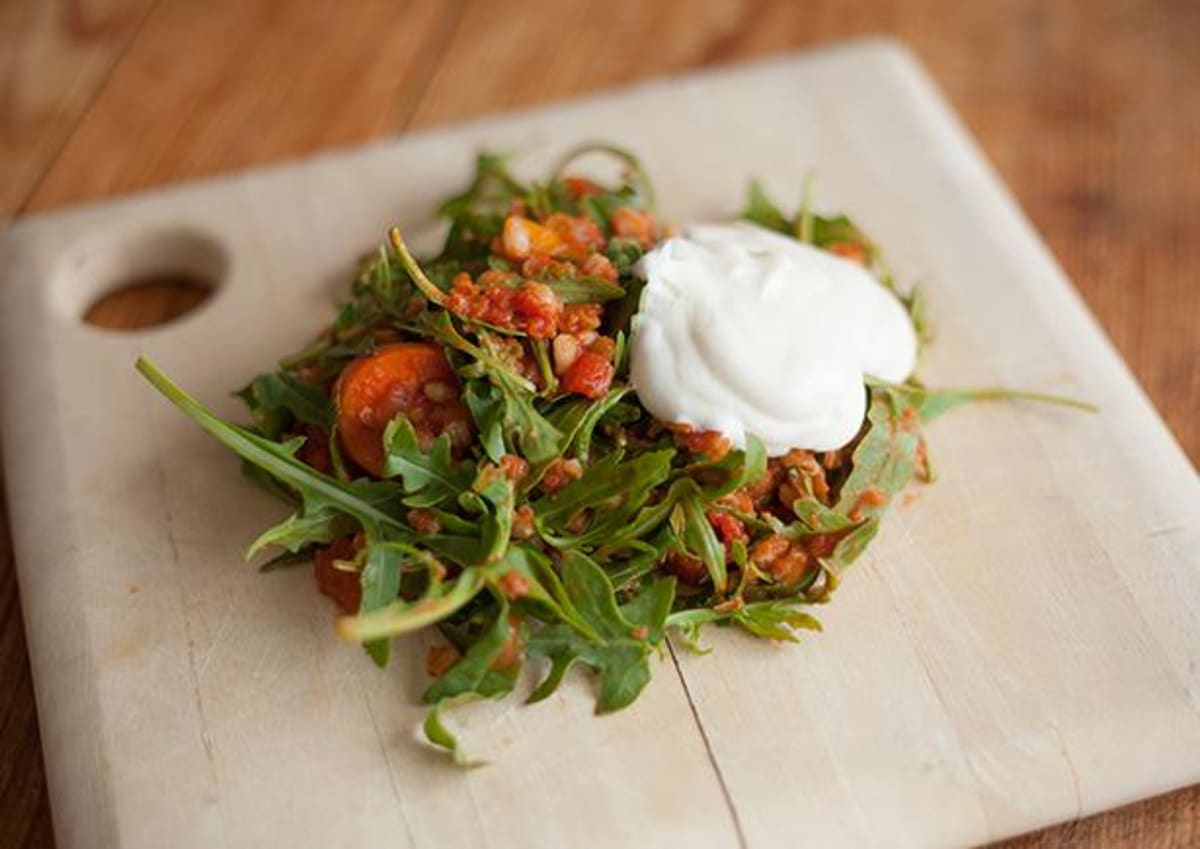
x=931, y=403
x=278, y=401
x=402, y=617
x=736, y=469
x=439, y=735
x=627, y=634
x=469, y=672
x=776, y=619
x=690, y=522
x=429, y=479
x=584, y=289
x=884, y=461
x=610, y=482
x=761, y=211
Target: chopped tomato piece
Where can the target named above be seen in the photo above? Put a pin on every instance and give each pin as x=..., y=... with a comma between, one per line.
x=440, y=658
x=561, y=472
x=315, y=450
x=727, y=527
x=853, y=251
x=514, y=646
x=580, y=187
x=688, y=569
x=634, y=224
x=598, y=265
x=589, y=375
x=711, y=443
x=341, y=585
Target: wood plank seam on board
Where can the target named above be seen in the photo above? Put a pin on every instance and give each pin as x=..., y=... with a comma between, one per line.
x=176, y=562
x=708, y=749
x=34, y=186
x=387, y=760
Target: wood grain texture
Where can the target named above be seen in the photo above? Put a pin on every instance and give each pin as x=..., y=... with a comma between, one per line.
x=54, y=57
x=218, y=86
x=1086, y=109
x=24, y=803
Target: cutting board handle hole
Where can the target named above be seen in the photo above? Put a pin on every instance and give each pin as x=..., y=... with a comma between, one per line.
x=148, y=301
x=137, y=281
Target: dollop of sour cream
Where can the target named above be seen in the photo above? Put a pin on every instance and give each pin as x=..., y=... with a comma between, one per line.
x=744, y=331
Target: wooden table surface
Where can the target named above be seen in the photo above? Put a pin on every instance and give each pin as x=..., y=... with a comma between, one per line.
x=1088, y=109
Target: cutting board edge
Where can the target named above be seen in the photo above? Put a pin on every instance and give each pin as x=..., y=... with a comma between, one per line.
x=299, y=165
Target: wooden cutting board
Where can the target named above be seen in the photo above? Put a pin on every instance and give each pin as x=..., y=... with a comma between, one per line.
x=1020, y=646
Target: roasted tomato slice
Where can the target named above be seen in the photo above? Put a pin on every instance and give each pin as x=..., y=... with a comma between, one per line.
x=413, y=378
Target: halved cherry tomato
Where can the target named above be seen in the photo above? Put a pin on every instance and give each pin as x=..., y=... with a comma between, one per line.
x=413, y=378
x=589, y=375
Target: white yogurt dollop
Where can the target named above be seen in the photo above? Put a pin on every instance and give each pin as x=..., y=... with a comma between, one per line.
x=745, y=331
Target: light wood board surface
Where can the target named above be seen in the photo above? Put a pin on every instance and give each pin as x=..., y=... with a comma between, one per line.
x=979, y=669
x=1083, y=106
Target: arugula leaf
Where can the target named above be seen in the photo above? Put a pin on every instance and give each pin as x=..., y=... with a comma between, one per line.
x=525, y=427
x=584, y=290
x=439, y=735
x=736, y=469
x=631, y=557
x=624, y=255
x=509, y=423
x=761, y=211
x=273, y=397
x=497, y=492
x=630, y=521
x=635, y=174
x=402, y=617
x=545, y=199
x=853, y=544
x=610, y=483
x=491, y=190
x=577, y=419
x=383, y=289
x=837, y=229
x=380, y=581
x=628, y=633
x=776, y=619
x=917, y=307
x=429, y=479
x=312, y=524
x=486, y=404
x=885, y=459
x=285, y=560
x=931, y=403
x=696, y=536
x=503, y=409
x=546, y=598
x=817, y=518
x=470, y=673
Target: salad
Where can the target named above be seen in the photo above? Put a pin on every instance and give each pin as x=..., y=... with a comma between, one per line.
x=462, y=449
